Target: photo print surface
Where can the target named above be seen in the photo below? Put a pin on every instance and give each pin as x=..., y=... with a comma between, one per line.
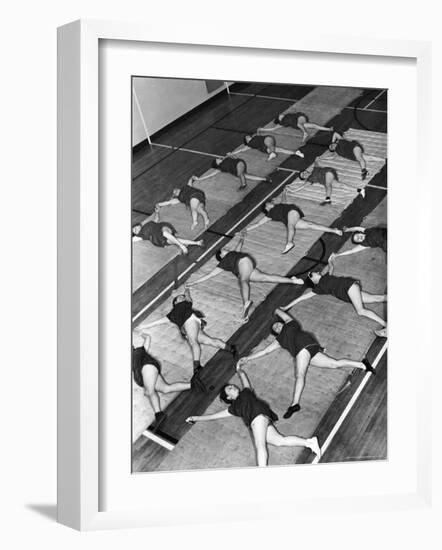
x=259, y=274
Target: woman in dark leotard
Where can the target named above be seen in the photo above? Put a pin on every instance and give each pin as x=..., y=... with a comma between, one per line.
x=351, y=150
x=193, y=198
x=244, y=267
x=191, y=324
x=346, y=289
x=363, y=238
x=267, y=145
x=292, y=217
x=161, y=234
x=297, y=121
x=305, y=350
x=235, y=166
x=258, y=417
x=324, y=175
x=147, y=374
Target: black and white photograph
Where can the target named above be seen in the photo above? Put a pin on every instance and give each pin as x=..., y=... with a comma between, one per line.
x=259, y=274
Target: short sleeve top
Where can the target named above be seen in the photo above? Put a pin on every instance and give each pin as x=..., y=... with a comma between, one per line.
x=248, y=406
x=229, y=165
x=291, y=119
x=345, y=148
x=231, y=260
x=258, y=142
x=180, y=313
x=280, y=212
x=187, y=193
x=335, y=286
x=376, y=237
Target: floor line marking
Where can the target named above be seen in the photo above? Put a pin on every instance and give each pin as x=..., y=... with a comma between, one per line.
x=242, y=93
x=364, y=109
x=350, y=404
x=277, y=98
x=170, y=285
x=373, y=100
x=153, y=437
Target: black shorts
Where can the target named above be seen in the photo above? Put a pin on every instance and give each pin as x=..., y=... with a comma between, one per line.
x=138, y=373
x=313, y=349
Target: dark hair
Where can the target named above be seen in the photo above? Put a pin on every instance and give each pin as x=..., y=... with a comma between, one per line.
x=264, y=209
x=354, y=234
x=214, y=163
x=245, y=139
x=272, y=330
x=301, y=177
x=308, y=282
x=223, y=394
x=218, y=255
x=276, y=120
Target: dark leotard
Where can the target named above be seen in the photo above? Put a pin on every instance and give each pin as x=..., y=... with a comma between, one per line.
x=258, y=142
x=291, y=119
x=248, y=406
x=294, y=339
x=140, y=358
x=153, y=232
x=345, y=148
x=187, y=193
x=229, y=165
x=280, y=212
x=181, y=312
x=319, y=174
x=231, y=260
x=376, y=237
x=335, y=286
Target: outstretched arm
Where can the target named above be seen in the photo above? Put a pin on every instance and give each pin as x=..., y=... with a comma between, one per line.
x=205, y=417
x=240, y=243
x=212, y=273
x=332, y=257
x=160, y=321
x=305, y=296
x=353, y=229
x=237, y=151
x=262, y=221
x=283, y=315
x=207, y=176
x=336, y=137
x=271, y=129
x=268, y=349
x=245, y=382
x=167, y=203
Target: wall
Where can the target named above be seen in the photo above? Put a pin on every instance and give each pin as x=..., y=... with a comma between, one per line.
x=163, y=100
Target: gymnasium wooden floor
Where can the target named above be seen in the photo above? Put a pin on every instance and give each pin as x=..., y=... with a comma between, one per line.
x=346, y=410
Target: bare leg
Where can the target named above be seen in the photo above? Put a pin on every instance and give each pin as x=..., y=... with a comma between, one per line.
x=354, y=293
x=279, y=440
x=192, y=329
x=171, y=239
x=258, y=276
x=301, y=367
x=194, y=203
x=241, y=170
x=304, y=224
x=368, y=298
x=203, y=213
x=207, y=340
x=360, y=157
x=255, y=178
x=188, y=242
x=290, y=235
x=164, y=387
x=150, y=375
x=259, y=429
x=324, y=361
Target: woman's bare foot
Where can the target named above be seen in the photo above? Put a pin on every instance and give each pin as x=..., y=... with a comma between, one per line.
x=297, y=281
x=199, y=243
x=184, y=250
x=381, y=332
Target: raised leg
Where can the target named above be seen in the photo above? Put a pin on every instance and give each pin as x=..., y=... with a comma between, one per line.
x=324, y=361
x=258, y=276
x=304, y=224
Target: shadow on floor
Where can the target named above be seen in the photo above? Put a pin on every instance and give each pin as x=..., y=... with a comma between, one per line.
x=48, y=511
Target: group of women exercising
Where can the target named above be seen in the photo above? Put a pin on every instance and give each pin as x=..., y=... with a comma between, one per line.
x=287, y=331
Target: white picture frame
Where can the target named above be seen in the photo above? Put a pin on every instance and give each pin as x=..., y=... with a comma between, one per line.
x=79, y=466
